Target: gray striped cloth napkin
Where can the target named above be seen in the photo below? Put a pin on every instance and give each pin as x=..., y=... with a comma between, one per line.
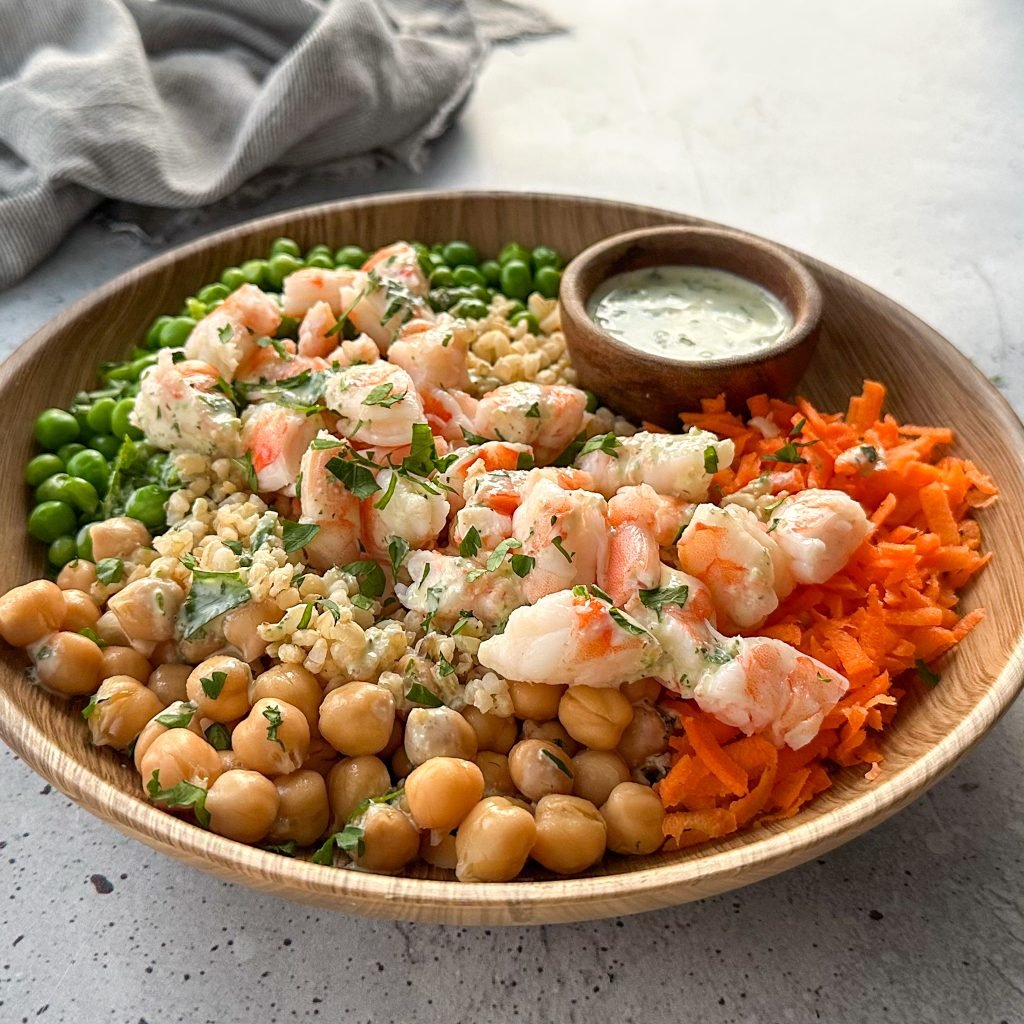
x=172, y=103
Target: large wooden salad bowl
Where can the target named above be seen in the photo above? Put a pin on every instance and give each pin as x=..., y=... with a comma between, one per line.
x=864, y=334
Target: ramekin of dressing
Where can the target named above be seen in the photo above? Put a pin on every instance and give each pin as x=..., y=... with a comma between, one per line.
x=657, y=319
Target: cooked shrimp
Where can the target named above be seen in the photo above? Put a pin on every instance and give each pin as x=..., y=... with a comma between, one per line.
x=730, y=550
x=673, y=464
x=351, y=353
x=563, y=531
x=329, y=504
x=305, y=288
x=315, y=338
x=818, y=531
x=451, y=414
x=766, y=685
x=377, y=404
x=378, y=302
x=445, y=586
x=483, y=458
x=434, y=354
x=277, y=438
x=546, y=416
x=225, y=336
x=414, y=509
x=176, y=411
x=269, y=363
x=571, y=637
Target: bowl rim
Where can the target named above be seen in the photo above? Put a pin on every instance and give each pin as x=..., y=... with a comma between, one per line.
x=806, y=317
x=762, y=853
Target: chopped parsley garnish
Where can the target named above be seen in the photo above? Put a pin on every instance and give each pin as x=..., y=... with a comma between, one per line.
x=354, y=474
x=398, y=550
x=657, y=598
x=272, y=713
x=559, y=546
x=711, y=459
x=110, y=570
x=218, y=737
x=245, y=464
x=623, y=621
x=718, y=654
x=184, y=794
x=297, y=535
x=389, y=492
x=472, y=438
x=94, y=702
x=177, y=716
x=789, y=452
x=276, y=345
x=225, y=333
x=210, y=596
x=286, y=849
x=213, y=684
x=90, y=634
x=349, y=839
x=591, y=590
x=444, y=667
x=522, y=565
x=497, y=556
x=470, y=544
x=870, y=453
x=569, y=453
x=524, y=460
x=798, y=427
x=307, y=616
x=369, y=575
x=420, y=694
x=383, y=395
x=607, y=443
x=330, y=606
x=926, y=674
x=557, y=762
x=533, y=413
x=422, y=451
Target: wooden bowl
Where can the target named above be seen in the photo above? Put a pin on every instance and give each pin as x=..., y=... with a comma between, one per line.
x=862, y=334
x=650, y=386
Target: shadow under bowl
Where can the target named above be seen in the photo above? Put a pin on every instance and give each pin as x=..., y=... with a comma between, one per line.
x=648, y=386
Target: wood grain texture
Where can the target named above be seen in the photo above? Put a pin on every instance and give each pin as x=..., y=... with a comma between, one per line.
x=863, y=334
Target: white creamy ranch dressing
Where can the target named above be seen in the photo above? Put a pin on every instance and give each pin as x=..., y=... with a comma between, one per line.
x=689, y=312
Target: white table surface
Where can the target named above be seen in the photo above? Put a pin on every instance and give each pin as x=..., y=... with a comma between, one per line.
x=885, y=138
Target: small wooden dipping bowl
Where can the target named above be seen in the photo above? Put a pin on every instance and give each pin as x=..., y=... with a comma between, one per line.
x=647, y=386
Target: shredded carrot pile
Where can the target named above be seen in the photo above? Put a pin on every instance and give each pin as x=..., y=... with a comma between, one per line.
x=891, y=609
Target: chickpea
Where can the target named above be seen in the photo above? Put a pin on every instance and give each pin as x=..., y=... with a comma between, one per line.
x=357, y=718
x=125, y=661
x=30, y=612
x=68, y=663
x=438, y=732
x=148, y=608
x=353, y=780
x=119, y=711
x=492, y=731
x=179, y=755
x=442, y=791
x=303, y=812
x=273, y=738
x=78, y=574
x=240, y=627
x=647, y=688
x=596, y=716
x=231, y=762
x=168, y=682
x=394, y=741
x=390, y=839
x=118, y=537
x=110, y=630
x=81, y=611
x=322, y=757
x=400, y=763
x=439, y=850
x=242, y=805
x=494, y=841
x=539, y=767
x=633, y=814
x=570, y=834
x=497, y=777
x=553, y=732
x=181, y=713
x=291, y=683
x=538, y=701
x=645, y=737
x=598, y=772
x=219, y=688
x=166, y=653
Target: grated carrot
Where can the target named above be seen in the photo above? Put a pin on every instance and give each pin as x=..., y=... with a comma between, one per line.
x=893, y=606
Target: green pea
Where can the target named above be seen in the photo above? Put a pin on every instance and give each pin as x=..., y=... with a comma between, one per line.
x=481, y=293
x=592, y=401
x=175, y=332
x=232, y=278
x=67, y=451
x=211, y=293
x=287, y=328
x=55, y=427
x=81, y=414
x=440, y=299
x=62, y=551
x=491, y=269
x=515, y=279
x=545, y=256
x=153, y=334
x=531, y=321
x=71, y=490
x=437, y=260
x=147, y=504
x=460, y=254
x=285, y=247
x=467, y=275
x=323, y=260
x=281, y=266
x=255, y=271
x=41, y=467
x=90, y=465
x=194, y=308
x=50, y=520
x=547, y=281
x=83, y=541
x=441, y=277
x=514, y=251
x=321, y=250
x=472, y=309
x=350, y=256
x=155, y=466
x=97, y=416
x=107, y=445
x=119, y=423
x=514, y=306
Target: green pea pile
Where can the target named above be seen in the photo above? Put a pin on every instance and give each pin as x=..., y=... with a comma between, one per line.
x=92, y=464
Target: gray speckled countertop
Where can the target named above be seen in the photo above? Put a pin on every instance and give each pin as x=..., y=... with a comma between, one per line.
x=885, y=138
